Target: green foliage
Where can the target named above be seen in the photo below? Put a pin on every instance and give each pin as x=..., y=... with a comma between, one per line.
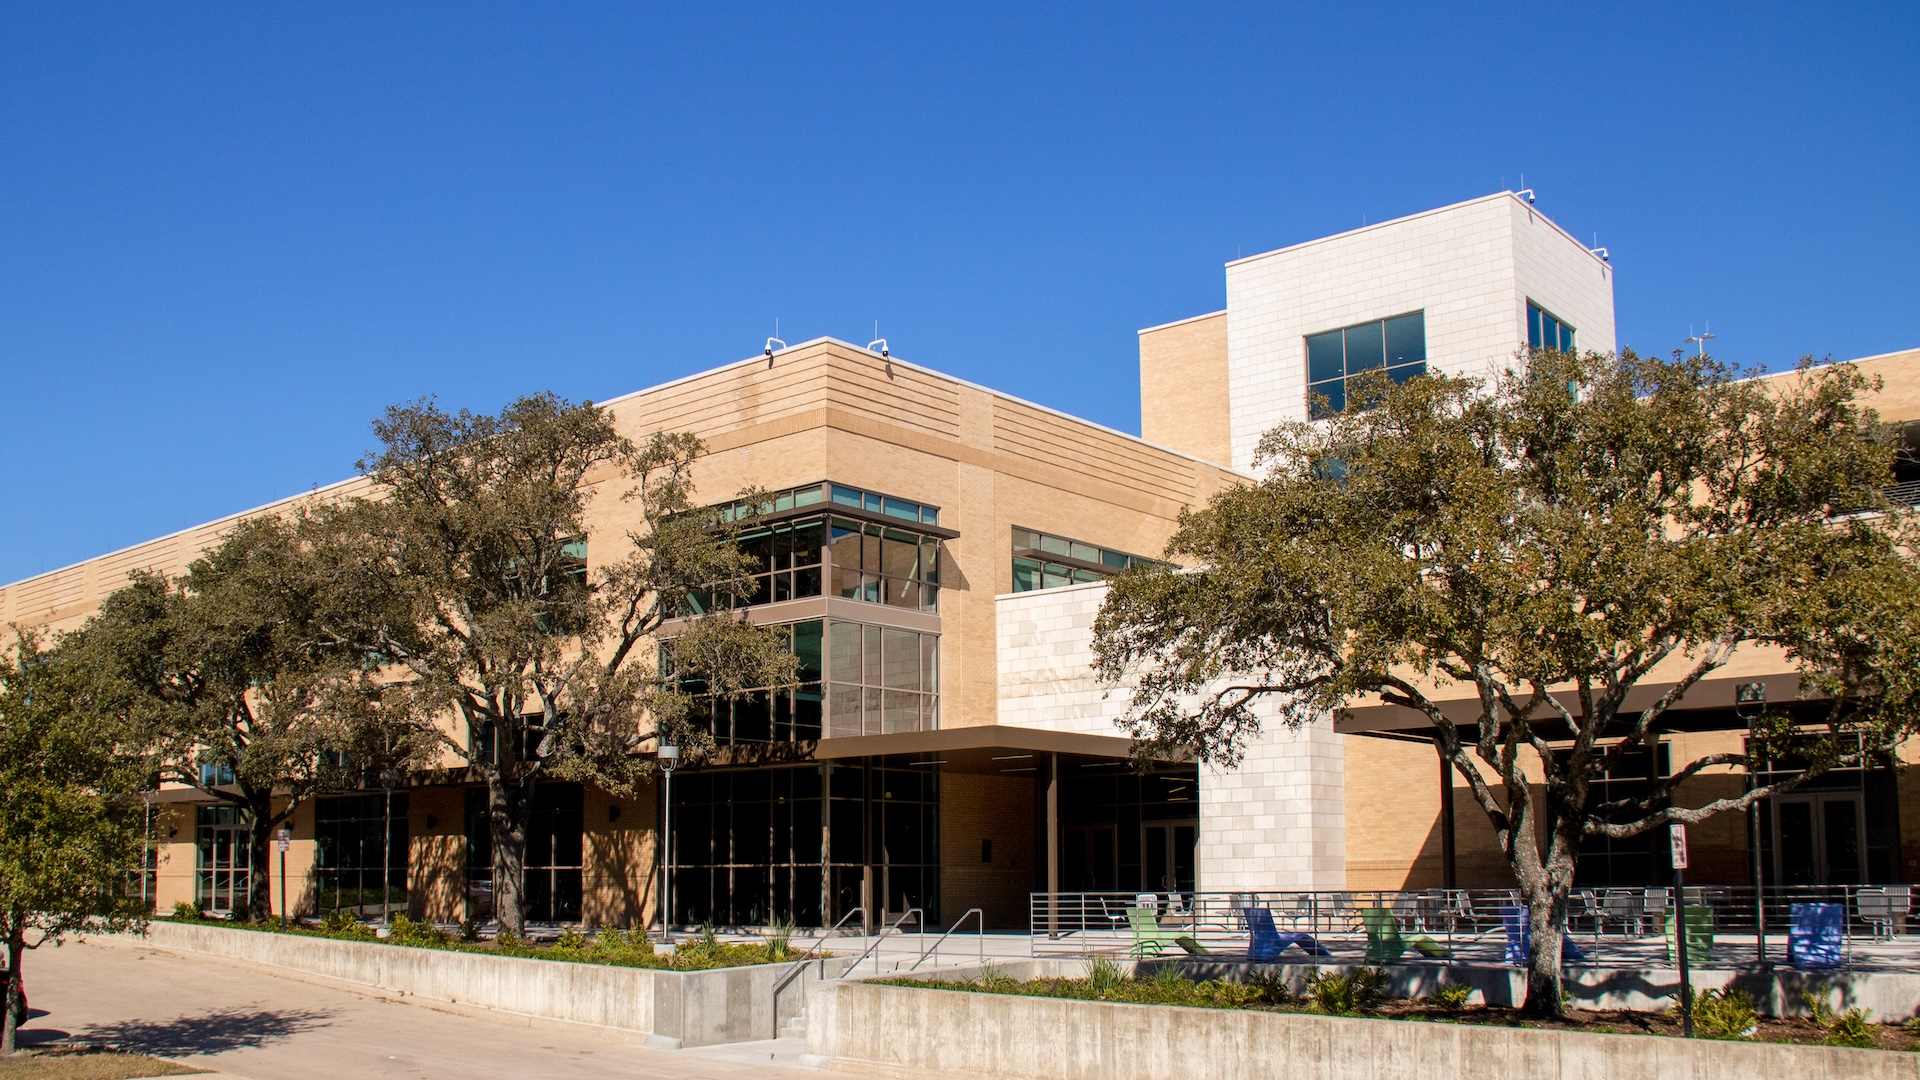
x=1103, y=976
x=469, y=932
x=508, y=943
x=571, y=940
x=343, y=924
x=239, y=664
x=1815, y=1000
x=1227, y=995
x=70, y=822
x=1726, y=1013
x=1272, y=986
x=995, y=981
x=1355, y=993
x=185, y=912
x=406, y=931
x=484, y=515
x=1453, y=996
x=1851, y=1028
x=780, y=940
x=1538, y=546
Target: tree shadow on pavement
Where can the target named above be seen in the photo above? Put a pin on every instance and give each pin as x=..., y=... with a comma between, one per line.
x=212, y=1032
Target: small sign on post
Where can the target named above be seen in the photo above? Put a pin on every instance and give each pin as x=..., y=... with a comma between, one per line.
x=1677, y=833
x=1682, y=943
x=283, y=839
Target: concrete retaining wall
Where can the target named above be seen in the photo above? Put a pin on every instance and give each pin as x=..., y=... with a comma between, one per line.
x=684, y=1008
x=953, y=1033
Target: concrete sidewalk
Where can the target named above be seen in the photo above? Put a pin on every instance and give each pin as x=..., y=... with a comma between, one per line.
x=246, y=1021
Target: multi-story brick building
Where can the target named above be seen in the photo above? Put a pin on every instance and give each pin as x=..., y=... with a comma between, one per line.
x=940, y=549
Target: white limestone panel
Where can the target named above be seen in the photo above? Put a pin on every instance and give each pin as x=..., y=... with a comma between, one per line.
x=1470, y=267
x=1274, y=823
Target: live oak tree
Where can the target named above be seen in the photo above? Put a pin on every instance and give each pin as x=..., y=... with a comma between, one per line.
x=476, y=586
x=236, y=679
x=70, y=816
x=1546, y=543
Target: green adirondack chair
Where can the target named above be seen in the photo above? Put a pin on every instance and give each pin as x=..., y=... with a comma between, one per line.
x=1386, y=944
x=1148, y=938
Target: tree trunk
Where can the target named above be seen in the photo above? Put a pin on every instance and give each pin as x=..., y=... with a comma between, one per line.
x=9, y=1030
x=260, y=857
x=507, y=809
x=1543, y=964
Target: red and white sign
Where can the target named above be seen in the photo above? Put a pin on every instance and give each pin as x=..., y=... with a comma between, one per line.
x=283, y=839
x=1677, y=834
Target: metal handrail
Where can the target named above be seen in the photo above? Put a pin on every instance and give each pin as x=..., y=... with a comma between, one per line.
x=980, y=922
x=807, y=957
x=882, y=936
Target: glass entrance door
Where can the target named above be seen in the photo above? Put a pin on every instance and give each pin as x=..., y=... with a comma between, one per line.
x=1820, y=838
x=224, y=865
x=1167, y=847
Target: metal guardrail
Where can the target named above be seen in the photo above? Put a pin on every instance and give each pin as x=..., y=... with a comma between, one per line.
x=873, y=949
x=980, y=927
x=1867, y=927
x=808, y=957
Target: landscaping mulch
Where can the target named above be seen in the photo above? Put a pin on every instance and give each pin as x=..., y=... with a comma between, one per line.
x=86, y=1063
x=1626, y=1022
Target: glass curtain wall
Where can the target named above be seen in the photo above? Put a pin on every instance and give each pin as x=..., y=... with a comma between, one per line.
x=878, y=679
x=352, y=834
x=555, y=854
x=804, y=843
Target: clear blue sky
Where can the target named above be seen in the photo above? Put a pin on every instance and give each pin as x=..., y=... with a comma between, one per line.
x=230, y=234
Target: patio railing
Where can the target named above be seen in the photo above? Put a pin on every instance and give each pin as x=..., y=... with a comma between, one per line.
x=1872, y=927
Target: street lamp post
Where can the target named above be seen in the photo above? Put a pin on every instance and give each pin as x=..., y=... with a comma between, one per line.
x=668, y=756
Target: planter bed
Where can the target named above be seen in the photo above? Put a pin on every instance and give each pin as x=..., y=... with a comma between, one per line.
x=1220, y=994
x=673, y=1007
x=611, y=947
x=936, y=1030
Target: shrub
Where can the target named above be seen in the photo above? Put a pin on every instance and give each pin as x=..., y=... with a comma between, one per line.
x=1225, y=995
x=469, y=931
x=509, y=944
x=406, y=931
x=1272, y=986
x=1452, y=997
x=1103, y=976
x=1725, y=1014
x=571, y=940
x=780, y=941
x=185, y=912
x=995, y=981
x=1353, y=994
x=1851, y=1029
x=340, y=923
x=1815, y=999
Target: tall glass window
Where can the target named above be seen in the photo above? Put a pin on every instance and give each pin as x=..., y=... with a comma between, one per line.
x=553, y=859
x=352, y=835
x=1546, y=330
x=1398, y=345
x=884, y=565
x=1044, y=561
x=881, y=680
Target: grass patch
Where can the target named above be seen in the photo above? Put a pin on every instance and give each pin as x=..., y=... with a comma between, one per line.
x=85, y=1063
x=614, y=948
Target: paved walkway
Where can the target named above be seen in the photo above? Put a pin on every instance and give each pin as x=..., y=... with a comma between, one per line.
x=249, y=1022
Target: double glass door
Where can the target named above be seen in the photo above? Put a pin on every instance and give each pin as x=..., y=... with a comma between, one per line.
x=225, y=869
x=1819, y=838
x=1167, y=851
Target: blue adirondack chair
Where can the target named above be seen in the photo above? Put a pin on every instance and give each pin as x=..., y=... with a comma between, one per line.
x=1265, y=941
x=1816, y=935
x=1519, y=925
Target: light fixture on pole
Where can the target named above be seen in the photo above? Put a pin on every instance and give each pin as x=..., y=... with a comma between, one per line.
x=1749, y=702
x=668, y=757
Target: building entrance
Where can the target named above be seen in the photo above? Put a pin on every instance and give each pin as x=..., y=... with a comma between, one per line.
x=1821, y=838
x=225, y=860
x=1168, y=850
